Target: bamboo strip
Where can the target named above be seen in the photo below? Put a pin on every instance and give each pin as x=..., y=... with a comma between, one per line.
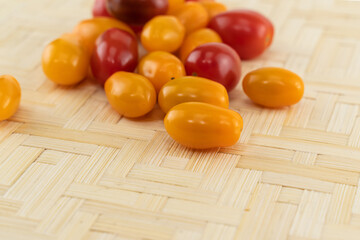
x=61, y=145
x=133, y=229
x=297, y=182
x=110, y=140
x=201, y=211
x=256, y=221
x=162, y=189
x=310, y=216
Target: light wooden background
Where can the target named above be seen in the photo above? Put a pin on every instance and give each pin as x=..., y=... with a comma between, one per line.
x=71, y=168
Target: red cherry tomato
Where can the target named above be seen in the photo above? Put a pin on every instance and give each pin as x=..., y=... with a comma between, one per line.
x=99, y=9
x=115, y=50
x=90, y=29
x=248, y=32
x=215, y=61
x=137, y=12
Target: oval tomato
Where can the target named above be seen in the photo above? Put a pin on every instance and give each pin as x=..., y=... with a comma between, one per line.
x=197, y=38
x=248, y=32
x=192, y=89
x=273, y=87
x=99, y=9
x=163, y=33
x=130, y=94
x=89, y=30
x=137, y=12
x=10, y=96
x=193, y=16
x=215, y=61
x=160, y=67
x=202, y=125
x=116, y=50
x=65, y=61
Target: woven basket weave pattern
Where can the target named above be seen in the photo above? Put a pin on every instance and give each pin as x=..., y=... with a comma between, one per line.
x=72, y=168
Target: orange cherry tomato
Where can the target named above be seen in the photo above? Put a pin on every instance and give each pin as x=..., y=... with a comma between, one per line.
x=10, y=96
x=160, y=67
x=197, y=38
x=213, y=8
x=202, y=125
x=130, y=94
x=65, y=61
x=273, y=87
x=175, y=5
x=193, y=15
x=89, y=30
x=192, y=89
x=163, y=33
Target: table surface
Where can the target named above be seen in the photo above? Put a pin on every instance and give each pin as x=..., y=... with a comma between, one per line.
x=72, y=168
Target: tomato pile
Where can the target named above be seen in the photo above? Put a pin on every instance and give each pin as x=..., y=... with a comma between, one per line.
x=195, y=49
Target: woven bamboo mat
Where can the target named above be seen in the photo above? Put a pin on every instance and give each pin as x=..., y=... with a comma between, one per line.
x=71, y=168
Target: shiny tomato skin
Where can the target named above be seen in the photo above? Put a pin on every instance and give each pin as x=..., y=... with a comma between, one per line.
x=193, y=16
x=160, y=67
x=163, y=33
x=65, y=61
x=195, y=39
x=215, y=61
x=248, y=32
x=130, y=94
x=137, y=12
x=273, y=87
x=192, y=89
x=202, y=125
x=116, y=50
x=99, y=9
x=90, y=29
x=10, y=96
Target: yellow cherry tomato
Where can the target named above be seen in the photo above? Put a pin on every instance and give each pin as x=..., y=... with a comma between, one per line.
x=202, y=125
x=130, y=94
x=175, y=5
x=163, y=33
x=10, y=96
x=160, y=67
x=192, y=89
x=193, y=15
x=65, y=61
x=89, y=30
x=197, y=38
x=213, y=8
x=273, y=87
